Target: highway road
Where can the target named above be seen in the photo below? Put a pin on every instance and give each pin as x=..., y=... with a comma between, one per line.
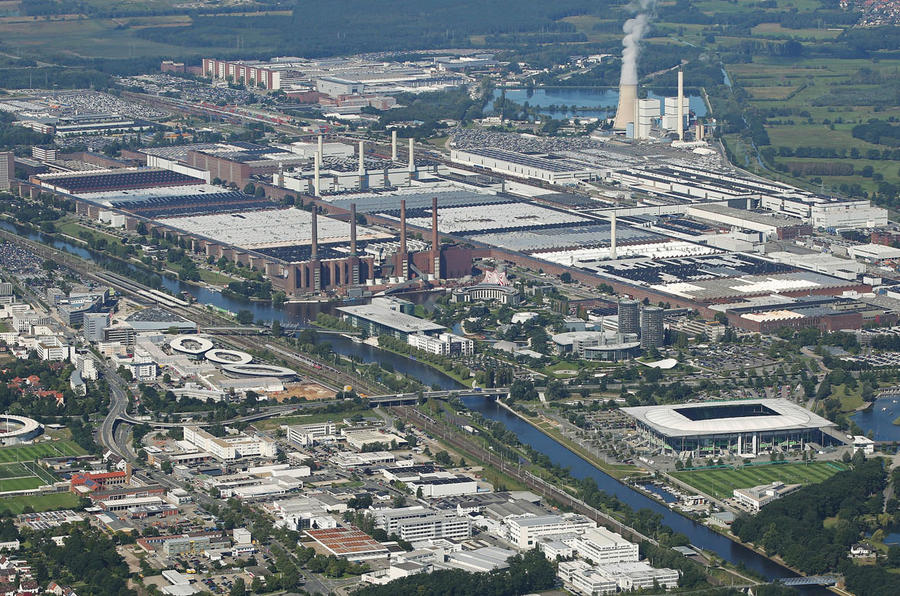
x=118, y=404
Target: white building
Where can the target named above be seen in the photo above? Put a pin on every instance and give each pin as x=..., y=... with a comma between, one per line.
x=420, y=523
x=581, y=578
x=638, y=576
x=525, y=530
x=52, y=348
x=442, y=484
x=230, y=447
x=305, y=435
x=604, y=547
x=755, y=498
x=445, y=344
x=848, y=215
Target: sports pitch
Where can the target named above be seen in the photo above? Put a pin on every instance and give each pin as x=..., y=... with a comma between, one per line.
x=18, y=467
x=720, y=483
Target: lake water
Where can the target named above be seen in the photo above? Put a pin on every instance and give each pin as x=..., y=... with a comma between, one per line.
x=601, y=103
x=880, y=419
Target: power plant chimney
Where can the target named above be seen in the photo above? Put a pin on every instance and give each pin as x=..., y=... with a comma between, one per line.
x=354, y=260
x=362, y=155
x=435, y=240
x=352, y=229
x=316, y=188
x=394, y=145
x=404, y=263
x=412, y=159
x=680, y=105
x=319, y=148
x=625, y=111
x=612, y=236
x=314, y=234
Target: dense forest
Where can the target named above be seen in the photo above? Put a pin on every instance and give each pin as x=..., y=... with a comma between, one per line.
x=830, y=516
x=353, y=26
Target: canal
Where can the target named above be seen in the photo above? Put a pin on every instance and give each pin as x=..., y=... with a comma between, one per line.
x=698, y=534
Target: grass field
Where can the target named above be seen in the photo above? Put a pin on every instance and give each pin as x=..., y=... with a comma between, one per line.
x=721, y=483
x=16, y=505
x=19, y=453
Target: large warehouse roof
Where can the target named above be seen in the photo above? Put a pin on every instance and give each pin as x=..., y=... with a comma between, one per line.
x=722, y=418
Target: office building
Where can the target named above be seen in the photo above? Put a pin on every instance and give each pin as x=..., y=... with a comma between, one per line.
x=629, y=316
x=93, y=326
x=524, y=531
x=445, y=344
x=652, y=334
x=7, y=169
x=230, y=447
x=604, y=547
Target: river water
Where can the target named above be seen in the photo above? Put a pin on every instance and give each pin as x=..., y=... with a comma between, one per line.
x=595, y=102
x=698, y=534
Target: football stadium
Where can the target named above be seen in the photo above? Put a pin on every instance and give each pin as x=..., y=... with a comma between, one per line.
x=743, y=428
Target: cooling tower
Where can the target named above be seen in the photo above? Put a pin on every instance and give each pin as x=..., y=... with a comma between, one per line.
x=625, y=111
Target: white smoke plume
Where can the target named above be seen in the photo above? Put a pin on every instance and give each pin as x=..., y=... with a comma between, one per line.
x=634, y=29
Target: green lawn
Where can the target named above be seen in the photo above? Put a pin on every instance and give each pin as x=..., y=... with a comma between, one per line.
x=26, y=483
x=16, y=505
x=13, y=471
x=37, y=451
x=721, y=483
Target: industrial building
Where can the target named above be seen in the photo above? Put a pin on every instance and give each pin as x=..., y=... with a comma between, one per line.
x=547, y=168
x=745, y=427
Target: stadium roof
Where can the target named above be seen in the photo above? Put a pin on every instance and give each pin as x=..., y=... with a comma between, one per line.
x=719, y=418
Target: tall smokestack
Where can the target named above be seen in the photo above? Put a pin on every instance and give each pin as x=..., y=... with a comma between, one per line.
x=320, y=148
x=314, y=234
x=352, y=229
x=680, y=105
x=612, y=236
x=636, y=127
x=435, y=240
x=404, y=263
x=394, y=145
x=412, y=159
x=316, y=188
x=362, y=155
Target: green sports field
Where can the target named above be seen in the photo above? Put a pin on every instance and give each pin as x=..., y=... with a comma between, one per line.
x=18, y=453
x=720, y=483
x=18, y=467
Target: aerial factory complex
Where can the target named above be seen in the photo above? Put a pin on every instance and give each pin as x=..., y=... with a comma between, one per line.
x=528, y=299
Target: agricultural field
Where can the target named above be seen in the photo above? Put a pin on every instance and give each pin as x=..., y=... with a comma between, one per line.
x=720, y=483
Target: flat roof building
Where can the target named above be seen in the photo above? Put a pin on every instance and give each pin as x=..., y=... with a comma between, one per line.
x=378, y=320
